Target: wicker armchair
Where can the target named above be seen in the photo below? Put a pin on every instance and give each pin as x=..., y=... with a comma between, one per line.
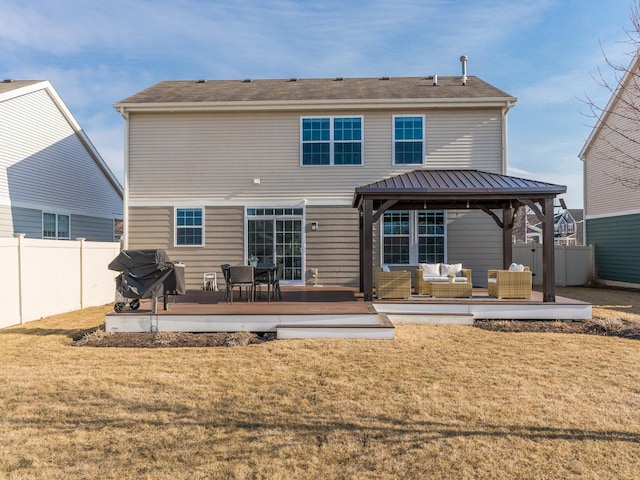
x=393, y=284
x=421, y=286
x=506, y=284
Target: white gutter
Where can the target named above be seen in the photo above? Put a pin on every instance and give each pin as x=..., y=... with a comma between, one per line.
x=125, y=179
x=295, y=105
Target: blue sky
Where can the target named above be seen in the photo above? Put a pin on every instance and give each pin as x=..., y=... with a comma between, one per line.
x=544, y=52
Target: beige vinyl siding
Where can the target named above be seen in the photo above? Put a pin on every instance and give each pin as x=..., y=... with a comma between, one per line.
x=153, y=228
x=43, y=163
x=470, y=140
x=215, y=157
x=475, y=240
x=603, y=195
x=334, y=248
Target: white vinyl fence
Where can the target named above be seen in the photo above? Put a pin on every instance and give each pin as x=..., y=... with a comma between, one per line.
x=574, y=263
x=47, y=277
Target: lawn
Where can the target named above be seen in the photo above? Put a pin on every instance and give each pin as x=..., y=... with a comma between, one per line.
x=436, y=402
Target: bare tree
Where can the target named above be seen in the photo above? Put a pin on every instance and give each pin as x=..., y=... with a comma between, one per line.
x=619, y=129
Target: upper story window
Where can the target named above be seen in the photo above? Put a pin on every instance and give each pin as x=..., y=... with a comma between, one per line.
x=56, y=226
x=408, y=140
x=189, y=227
x=331, y=141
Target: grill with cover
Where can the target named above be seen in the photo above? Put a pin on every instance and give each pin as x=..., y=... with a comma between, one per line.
x=146, y=274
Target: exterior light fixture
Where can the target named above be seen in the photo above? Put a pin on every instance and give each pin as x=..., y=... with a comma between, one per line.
x=314, y=226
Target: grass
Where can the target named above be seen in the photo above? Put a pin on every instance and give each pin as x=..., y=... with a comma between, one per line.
x=437, y=402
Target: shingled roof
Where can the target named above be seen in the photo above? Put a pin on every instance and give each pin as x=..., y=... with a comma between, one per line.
x=376, y=89
x=9, y=85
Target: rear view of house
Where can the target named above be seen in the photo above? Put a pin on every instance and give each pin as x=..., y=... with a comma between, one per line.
x=218, y=171
x=53, y=183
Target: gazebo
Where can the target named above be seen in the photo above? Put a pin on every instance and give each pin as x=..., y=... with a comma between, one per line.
x=499, y=196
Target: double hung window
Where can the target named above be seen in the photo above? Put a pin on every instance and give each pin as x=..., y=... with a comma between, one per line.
x=331, y=141
x=412, y=237
x=56, y=226
x=189, y=226
x=408, y=140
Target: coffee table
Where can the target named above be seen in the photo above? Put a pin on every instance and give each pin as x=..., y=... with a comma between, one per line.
x=450, y=290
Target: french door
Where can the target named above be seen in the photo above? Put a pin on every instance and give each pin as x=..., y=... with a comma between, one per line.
x=274, y=235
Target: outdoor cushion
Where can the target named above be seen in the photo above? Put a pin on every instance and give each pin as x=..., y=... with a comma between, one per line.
x=430, y=278
x=430, y=269
x=455, y=268
x=385, y=268
x=516, y=267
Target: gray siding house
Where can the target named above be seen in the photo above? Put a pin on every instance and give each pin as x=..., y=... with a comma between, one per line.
x=611, y=208
x=53, y=182
x=220, y=171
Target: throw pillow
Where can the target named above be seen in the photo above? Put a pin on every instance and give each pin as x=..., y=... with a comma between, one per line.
x=430, y=269
x=516, y=267
x=446, y=269
x=385, y=268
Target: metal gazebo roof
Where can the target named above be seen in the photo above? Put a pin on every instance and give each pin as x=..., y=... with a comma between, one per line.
x=453, y=189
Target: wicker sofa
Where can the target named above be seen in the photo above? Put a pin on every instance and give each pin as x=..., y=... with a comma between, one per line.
x=396, y=284
x=422, y=281
x=509, y=284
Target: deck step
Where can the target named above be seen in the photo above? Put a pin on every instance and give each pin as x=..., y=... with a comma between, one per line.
x=382, y=330
x=444, y=318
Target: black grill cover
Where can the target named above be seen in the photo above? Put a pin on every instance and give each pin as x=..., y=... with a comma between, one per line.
x=144, y=273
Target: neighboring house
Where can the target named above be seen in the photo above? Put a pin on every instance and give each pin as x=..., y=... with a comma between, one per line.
x=611, y=209
x=218, y=171
x=53, y=182
x=564, y=229
x=567, y=229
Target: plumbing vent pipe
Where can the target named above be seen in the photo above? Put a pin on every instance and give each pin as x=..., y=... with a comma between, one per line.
x=435, y=79
x=463, y=60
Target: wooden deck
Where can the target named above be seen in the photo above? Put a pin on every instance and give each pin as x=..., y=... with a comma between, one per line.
x=308, y=312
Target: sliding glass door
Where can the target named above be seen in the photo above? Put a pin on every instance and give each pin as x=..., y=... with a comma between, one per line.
x=274, y=235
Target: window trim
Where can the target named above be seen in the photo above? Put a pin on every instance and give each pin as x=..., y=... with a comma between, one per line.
x=332, y=142
x=414, y=238
x=176, y=228
x=394, y=141
x=57, y=235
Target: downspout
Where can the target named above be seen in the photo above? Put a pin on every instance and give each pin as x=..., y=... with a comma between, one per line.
x=505, y=155
x=124, y=244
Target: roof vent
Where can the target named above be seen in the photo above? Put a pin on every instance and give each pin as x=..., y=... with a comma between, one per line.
x=9, y=80
x=292, y=80
x=384, y=78
x=463, y=60
x=339, y=79
x=201, y=81
x=246, y=80
x=435, y=80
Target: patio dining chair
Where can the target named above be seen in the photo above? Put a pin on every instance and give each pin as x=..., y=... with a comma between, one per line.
x=242, y=276
x=275, y=282
x=225, y=274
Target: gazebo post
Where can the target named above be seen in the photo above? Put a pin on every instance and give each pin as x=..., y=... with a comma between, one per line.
x=367, y=249
x=507, y=232
x=548, y=253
